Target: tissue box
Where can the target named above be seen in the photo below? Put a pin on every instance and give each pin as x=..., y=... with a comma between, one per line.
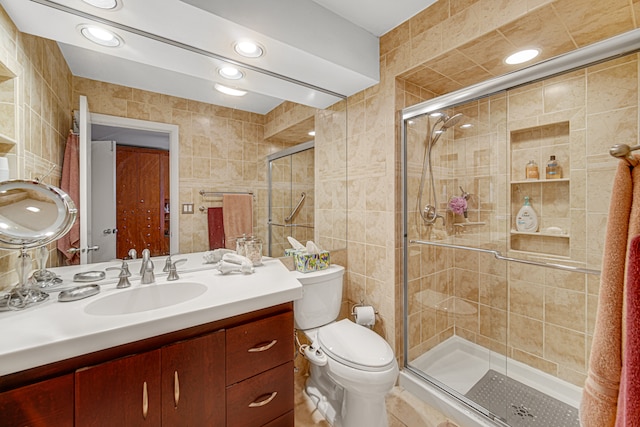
x=290, y=252
x=306, y=263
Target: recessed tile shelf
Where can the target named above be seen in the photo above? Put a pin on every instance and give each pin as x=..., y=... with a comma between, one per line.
x=538, y=143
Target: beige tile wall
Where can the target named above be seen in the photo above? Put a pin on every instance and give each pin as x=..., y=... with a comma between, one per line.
x=39, y=119
x=455, y=33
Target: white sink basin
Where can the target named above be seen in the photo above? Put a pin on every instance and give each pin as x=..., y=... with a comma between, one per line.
x=145, y=297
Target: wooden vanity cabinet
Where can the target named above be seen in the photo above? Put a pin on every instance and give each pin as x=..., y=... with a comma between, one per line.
x=178, y=385
x=43, y=404
x=234, y=372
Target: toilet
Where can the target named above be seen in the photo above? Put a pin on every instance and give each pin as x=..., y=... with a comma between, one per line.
x=352, y=368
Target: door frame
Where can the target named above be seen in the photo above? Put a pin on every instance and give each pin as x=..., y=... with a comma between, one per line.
x=174, y=146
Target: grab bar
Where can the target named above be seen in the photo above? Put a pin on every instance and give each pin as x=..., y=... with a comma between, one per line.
x=293, y=213
x=499, y=256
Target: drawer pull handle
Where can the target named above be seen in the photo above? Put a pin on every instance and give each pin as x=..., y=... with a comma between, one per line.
x=262, y=348
x=176, y=389
x=255, y=404
x=145, y=400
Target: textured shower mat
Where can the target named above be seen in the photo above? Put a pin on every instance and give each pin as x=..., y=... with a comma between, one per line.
x=520, y=405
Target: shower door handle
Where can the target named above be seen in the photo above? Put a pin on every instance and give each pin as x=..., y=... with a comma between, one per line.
x=295, y=210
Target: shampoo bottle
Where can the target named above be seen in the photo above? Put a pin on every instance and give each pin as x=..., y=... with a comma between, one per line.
x=554, y=171
x=527, y=219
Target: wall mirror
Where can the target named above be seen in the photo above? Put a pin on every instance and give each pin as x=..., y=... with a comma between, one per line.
x=328, y=119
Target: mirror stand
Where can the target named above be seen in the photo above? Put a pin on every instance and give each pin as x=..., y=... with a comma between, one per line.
x=26, y=292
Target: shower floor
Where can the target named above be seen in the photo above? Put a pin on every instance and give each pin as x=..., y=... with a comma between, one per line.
x=461, y=364
x=520, y=405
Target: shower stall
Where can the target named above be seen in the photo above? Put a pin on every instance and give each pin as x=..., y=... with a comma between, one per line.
x=498, y=321
x=291, y=197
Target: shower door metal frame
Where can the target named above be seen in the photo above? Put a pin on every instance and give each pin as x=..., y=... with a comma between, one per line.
x=617, y=46
x=270, y=159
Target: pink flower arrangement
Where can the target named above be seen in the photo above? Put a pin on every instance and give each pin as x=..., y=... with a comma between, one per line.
x=458, y=205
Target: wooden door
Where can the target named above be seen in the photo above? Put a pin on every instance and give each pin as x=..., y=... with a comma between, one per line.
x=124, y=392
x=193, y=384
x=140, y=200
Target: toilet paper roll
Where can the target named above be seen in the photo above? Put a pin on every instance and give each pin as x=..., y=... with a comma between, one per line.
x=365, y=315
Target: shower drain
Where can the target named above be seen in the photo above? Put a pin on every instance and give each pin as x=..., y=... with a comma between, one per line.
x=520, y=405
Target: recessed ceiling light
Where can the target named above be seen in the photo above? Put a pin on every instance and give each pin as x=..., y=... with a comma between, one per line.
x=104, y=4
x=249, y=49
x=229, y=72
x=100, y=35
x=229, y=91
x=522, y=56
x=312, y=133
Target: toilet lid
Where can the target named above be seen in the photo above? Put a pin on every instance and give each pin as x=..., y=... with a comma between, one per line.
x=355, y=346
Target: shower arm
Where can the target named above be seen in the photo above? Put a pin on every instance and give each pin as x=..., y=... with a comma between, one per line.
x=499, y=256
x=295, y=210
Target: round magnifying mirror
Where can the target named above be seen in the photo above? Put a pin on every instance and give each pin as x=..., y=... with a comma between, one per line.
x=33, y=214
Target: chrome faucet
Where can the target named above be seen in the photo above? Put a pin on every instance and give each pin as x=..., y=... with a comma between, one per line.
x=173, y=271
x=146, y=269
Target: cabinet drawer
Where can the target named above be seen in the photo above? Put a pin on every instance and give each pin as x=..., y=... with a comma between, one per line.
x=258, y=400
x=258, y=346
x=286, y=420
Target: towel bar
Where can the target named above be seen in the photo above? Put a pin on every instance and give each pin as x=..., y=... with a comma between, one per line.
x=499, y=256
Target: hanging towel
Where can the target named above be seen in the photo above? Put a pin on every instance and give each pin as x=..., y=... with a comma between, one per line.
x=70, y=184
x=629, y=398
x=598, y=406
x=216, y=228
x=237, y=217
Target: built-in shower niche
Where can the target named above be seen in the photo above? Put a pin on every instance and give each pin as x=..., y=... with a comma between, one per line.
x=550, y=198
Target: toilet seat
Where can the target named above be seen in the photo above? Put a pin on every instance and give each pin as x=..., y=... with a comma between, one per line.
x=355, y=346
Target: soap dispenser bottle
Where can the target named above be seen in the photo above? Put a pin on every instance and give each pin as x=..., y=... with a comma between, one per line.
x=527, y=219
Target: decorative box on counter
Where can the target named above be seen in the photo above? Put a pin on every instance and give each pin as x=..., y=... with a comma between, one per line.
x=306, y=262
x=290, y=251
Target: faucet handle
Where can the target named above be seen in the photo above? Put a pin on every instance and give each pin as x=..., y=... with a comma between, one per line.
x=123, y=276
x=173, y=271
x=132, y=253
x=167, y=264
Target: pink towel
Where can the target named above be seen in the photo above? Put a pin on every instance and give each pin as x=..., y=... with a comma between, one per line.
x=599, y=402
x=216, y=228
x=70, y=184
x=629, y=398
x=237, y=217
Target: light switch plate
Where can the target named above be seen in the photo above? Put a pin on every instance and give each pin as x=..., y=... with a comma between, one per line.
x=187, y=208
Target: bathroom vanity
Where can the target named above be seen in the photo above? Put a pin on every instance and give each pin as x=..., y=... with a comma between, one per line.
x=224, y=357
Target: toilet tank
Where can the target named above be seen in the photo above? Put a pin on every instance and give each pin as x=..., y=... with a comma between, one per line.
x=321, y=297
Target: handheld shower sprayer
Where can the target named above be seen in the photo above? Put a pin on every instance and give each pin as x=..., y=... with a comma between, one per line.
x=430, y=212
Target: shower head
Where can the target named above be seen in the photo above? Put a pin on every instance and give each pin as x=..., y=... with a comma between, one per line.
x=447, y=122
x=451, y=121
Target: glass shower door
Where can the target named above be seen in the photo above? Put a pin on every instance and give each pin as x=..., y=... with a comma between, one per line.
x=291, y=197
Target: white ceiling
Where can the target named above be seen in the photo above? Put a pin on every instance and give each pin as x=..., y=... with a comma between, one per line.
x=316, y=50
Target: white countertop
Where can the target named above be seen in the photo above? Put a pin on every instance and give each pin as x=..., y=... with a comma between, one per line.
x=54, y=331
